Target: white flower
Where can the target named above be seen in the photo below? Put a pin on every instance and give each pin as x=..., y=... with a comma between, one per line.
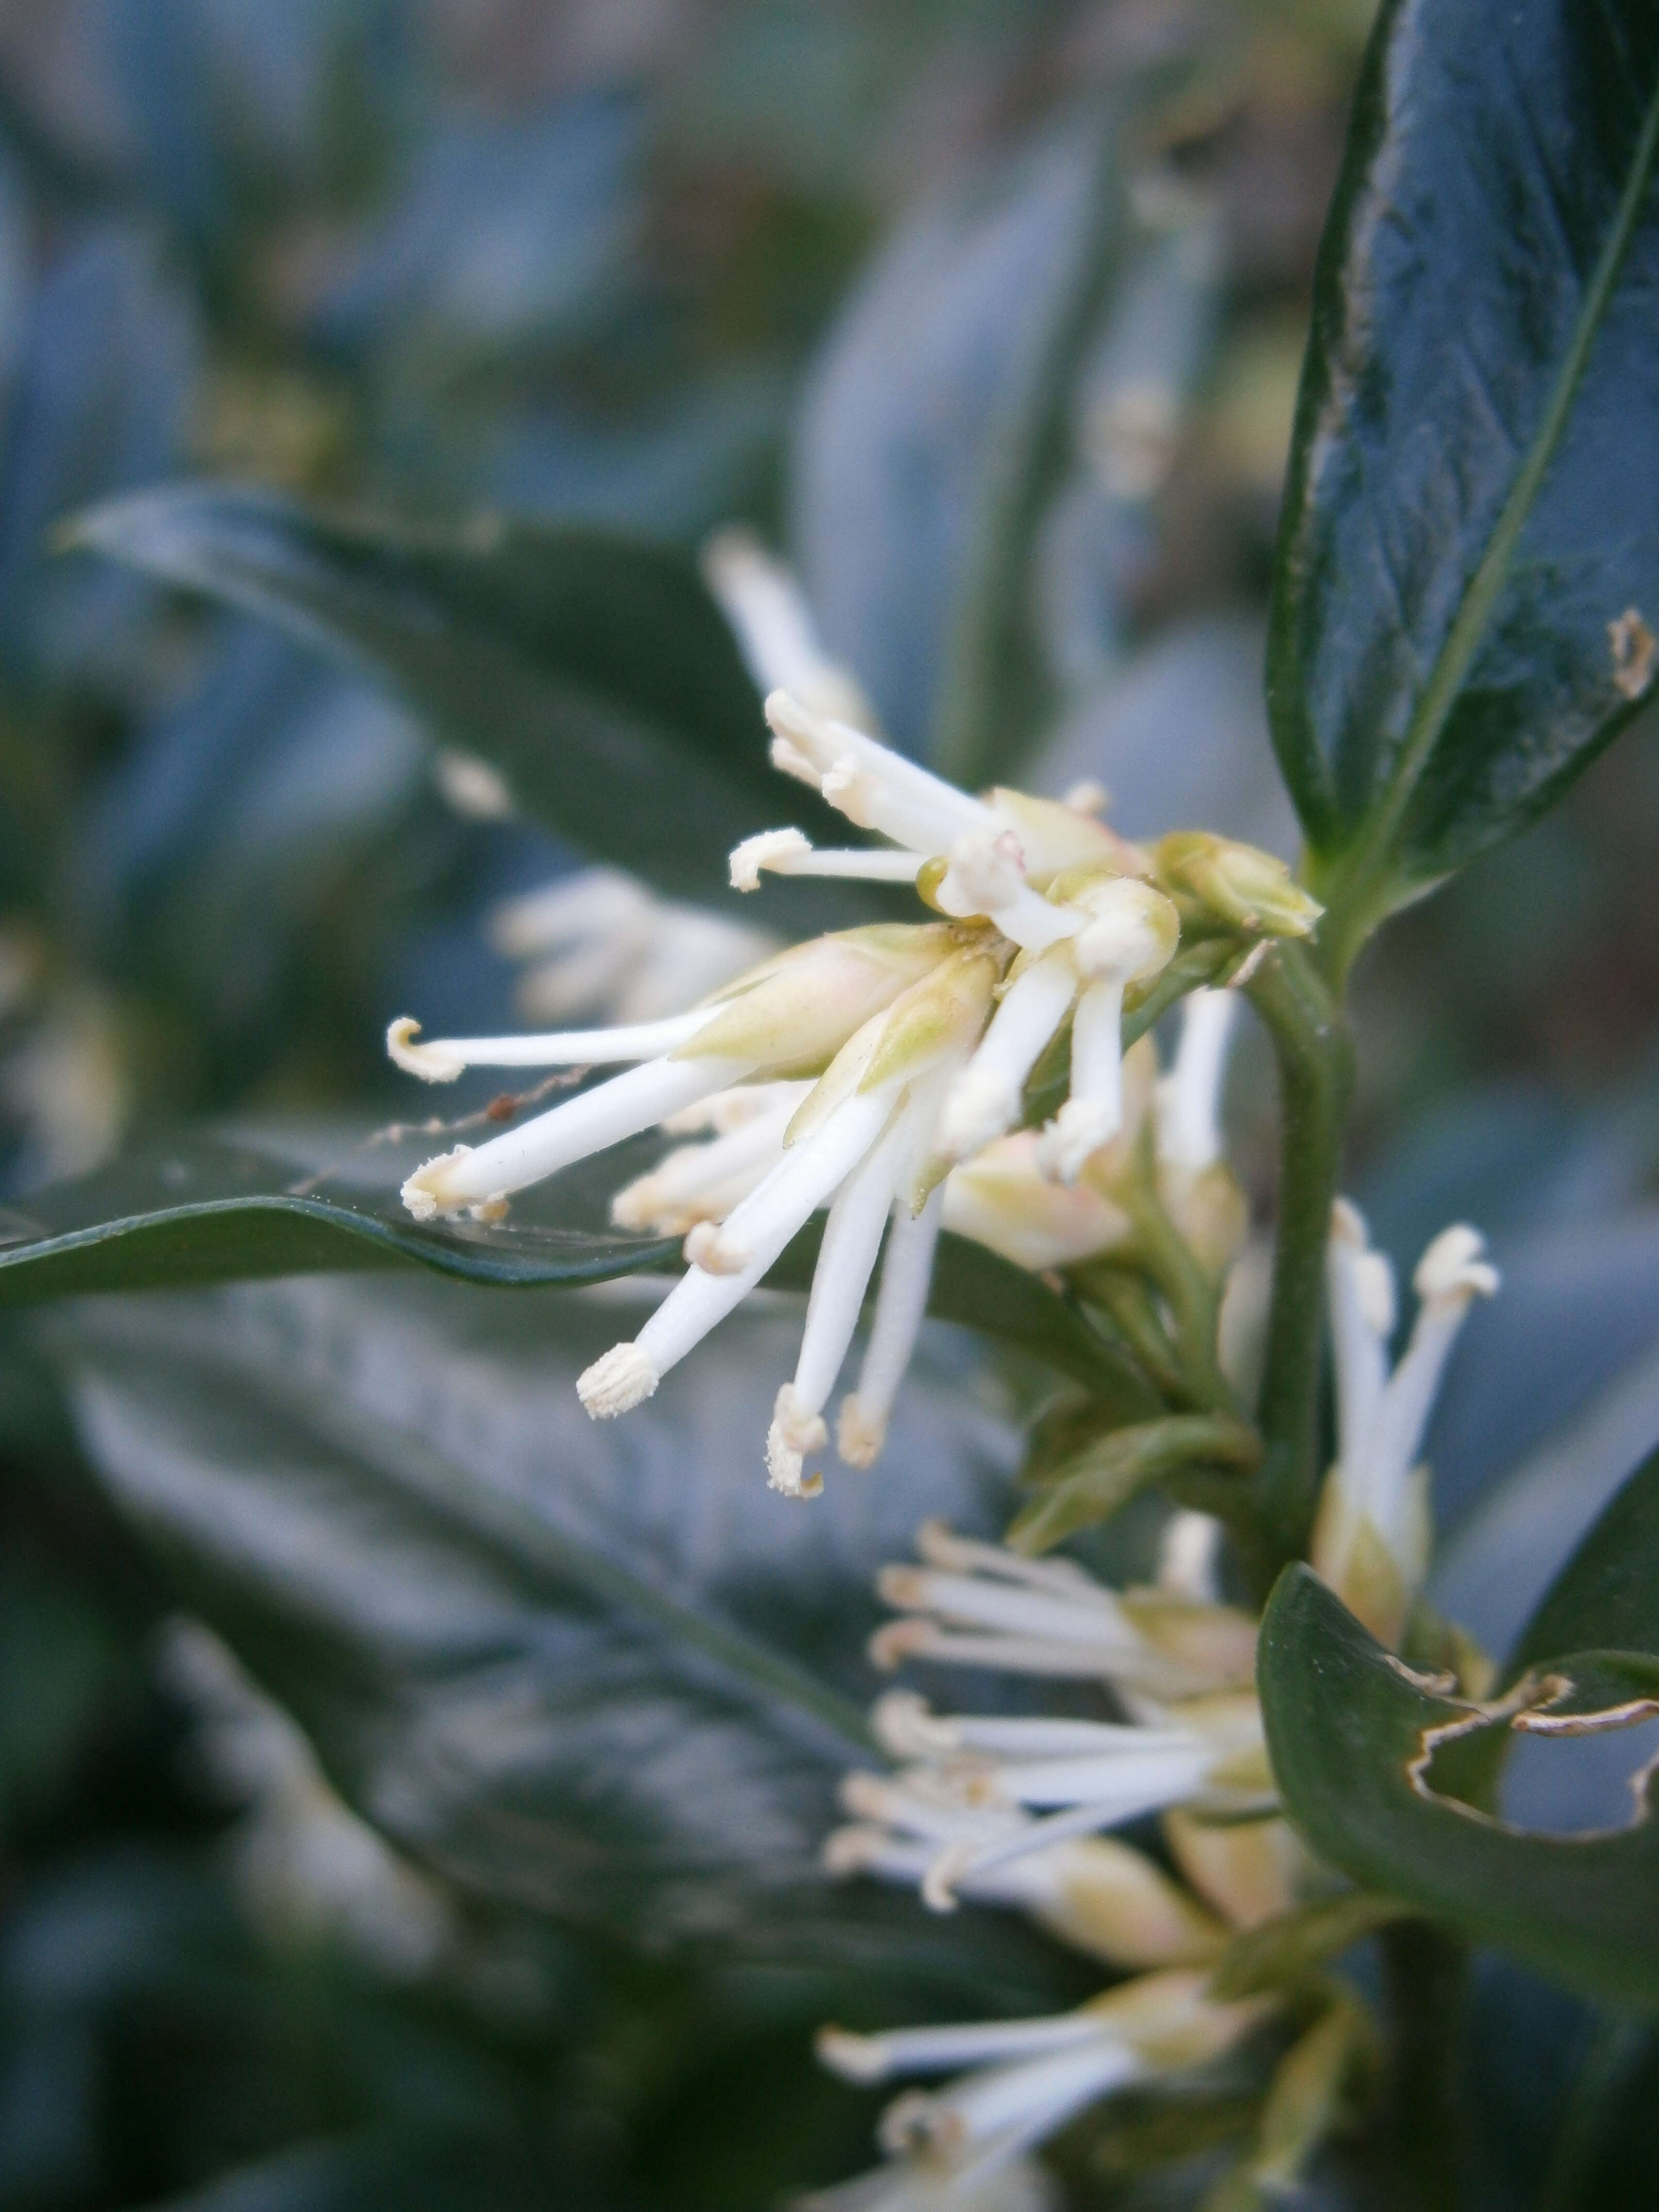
x=1027, y=2078
x=775, y=628
x=1178, y=1671
x=919, y=1042
x=598, y=942
x=1371, y=1543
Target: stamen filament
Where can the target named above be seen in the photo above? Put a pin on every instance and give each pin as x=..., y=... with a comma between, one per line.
x=587, y=1123
x=444, y=1058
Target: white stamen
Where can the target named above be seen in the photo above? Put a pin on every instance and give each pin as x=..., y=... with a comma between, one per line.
x=846, y=1259
x=985, y=1100
x=1189, y=1096
x=707, y=1248
x=793, y=1433
x=965, y=1600
x=622, y=1379
x=443, y=1059
x=887, y=792
x=760, y=1227
x=700, y=1183
x=1449, y=1277
x=1009, y=2105
x=1086, y=797
x=1093, y=1114
x=1155, y=1786
x=586, y=1123
x=788, y=852
x=906, y=1274
x=939, y=1544
x=774, y=628
x=1359, y=1288
x=768, y=848
x=866, y=2058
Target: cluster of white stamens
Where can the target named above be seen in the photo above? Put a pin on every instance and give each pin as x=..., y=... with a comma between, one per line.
x=878, y=1060
x=1371, y=1543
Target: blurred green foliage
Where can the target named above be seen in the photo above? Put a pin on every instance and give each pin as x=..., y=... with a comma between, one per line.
x=644, y=267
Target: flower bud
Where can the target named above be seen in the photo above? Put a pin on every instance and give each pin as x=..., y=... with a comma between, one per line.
x=1056, y=837
x=791, y=1016
x=1248, y=889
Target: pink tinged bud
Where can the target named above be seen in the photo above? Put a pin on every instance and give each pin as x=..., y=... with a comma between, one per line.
x=1060, y=835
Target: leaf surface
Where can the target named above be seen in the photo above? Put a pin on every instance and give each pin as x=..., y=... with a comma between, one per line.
x=211, y=1209
x=1345, y=1723
x=593, y=670
x=1466, y=530
x=595, y=1670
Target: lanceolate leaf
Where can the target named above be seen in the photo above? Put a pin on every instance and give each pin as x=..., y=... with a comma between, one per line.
x=594, y=671
x=1347, y=1725
x=1467, y=601
x=215, y=1210
x=596, y=1670
x=212, y=1210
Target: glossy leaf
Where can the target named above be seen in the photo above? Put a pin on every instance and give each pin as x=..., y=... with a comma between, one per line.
x=1608, y=1594
x=1465, y=531
x=216, y=1210
x=593, y=1670
x=1345, y=1721
x=594, y=671
x=213, y=1210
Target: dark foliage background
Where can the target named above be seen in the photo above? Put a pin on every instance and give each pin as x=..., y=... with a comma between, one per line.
x=651, y=266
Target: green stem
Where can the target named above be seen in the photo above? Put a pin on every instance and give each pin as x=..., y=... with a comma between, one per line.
x=1191, y=1295
x=1602, y=2082
x=1128, y=1305
x=1316, y=1074
x=1425, y=1972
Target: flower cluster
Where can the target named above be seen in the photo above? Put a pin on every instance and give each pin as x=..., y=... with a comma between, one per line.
x=1010, y=1811
x=856, y=1071
x=1014, y=1811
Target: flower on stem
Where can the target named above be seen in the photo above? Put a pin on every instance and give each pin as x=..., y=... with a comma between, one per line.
x=971, y=1817
x=1371, y=1541
x=918, y=1042
x=1027, y=2078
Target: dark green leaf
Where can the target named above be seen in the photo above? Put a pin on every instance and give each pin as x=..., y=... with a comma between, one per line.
x=1468, y=520
x=214, y=1210
x=597, y=1670
x=594, y=671
x=1345, y=1723
x=1607, y=1596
